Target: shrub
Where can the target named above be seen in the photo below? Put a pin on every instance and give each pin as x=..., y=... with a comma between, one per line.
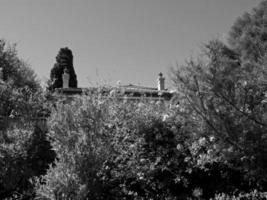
x=112, y=149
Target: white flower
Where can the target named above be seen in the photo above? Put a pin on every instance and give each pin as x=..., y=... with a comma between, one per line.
x=142, y=160
x=202, y=141
x=197, y=192
x=165, y=117
x=179, y=147
x=186, y=159
x=140, y=175
x=230, y=149
x=212, y=138
x=245, y=83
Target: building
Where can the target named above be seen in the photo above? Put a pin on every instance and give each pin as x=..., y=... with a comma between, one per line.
x=130, y=92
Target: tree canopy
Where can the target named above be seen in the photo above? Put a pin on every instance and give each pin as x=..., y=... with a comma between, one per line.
x=248, y=35
x=16, y=72
x=224, y=93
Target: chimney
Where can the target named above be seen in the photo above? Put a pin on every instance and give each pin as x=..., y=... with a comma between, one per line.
x=161, y=82
x=65, y=78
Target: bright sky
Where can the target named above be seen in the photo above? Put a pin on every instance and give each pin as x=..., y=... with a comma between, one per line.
x=130, y=41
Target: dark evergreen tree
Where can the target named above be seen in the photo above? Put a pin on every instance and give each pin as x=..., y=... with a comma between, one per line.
x=64, y=60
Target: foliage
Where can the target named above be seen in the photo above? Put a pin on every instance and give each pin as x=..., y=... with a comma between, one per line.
x=39, y=152
x=161, y=159
x=81, y=134
x=16, y=72
x=248, y=35
x=228, y=102
x=79, y=143
x=14, y=172
x=254, y=195
x=64, y=60
x=19, y=102
x=21, y=142
x=111, y=149
x=24, y=149
x=143, y=163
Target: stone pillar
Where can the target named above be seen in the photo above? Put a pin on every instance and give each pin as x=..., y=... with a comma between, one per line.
x=161, y=82
x=65, y=78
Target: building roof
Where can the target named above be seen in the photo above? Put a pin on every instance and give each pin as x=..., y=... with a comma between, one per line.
x=141, y=91
x=130, y=91
x=138, y=87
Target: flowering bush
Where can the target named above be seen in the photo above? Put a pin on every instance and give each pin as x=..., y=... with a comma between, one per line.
x=112, y=149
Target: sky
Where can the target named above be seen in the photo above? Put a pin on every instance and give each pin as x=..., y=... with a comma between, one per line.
x=126, y=41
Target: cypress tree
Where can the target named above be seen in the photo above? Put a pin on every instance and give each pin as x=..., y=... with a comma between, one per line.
x=64, y=59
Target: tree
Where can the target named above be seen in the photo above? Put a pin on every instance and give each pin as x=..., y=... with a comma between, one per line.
x=248, y=35
x=226, y=100
x=23, y=147
x=16, y=72
x=20, y=91
x=64, y=60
